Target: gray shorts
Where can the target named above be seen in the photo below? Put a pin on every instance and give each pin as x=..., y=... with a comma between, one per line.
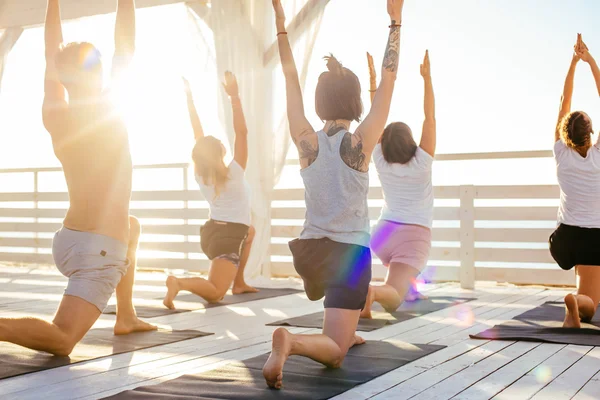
x=93, y=263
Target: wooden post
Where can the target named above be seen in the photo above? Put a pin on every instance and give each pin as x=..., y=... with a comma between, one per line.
x=186, y=207
x=467, y=237
x=36, y=175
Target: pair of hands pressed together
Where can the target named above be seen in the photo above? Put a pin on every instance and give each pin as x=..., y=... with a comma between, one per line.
x=581, y=51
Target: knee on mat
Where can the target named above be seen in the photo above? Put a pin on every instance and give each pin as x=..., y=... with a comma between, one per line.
x=135, y=228
x=337, y=361
x=215, y=296
x=65, y=347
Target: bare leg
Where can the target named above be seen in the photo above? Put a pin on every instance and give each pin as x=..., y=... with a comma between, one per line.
x=239, y=284
x=127, y=320
x=391, y=295
x=73, y=319
x=583, y=305
x=221, y=274
x=328, y=348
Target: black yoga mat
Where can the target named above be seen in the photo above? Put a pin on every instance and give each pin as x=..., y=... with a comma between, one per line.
x=303, y=379
x=199, y=302
x=544, y=324
x=16, y=360
x=381, y=318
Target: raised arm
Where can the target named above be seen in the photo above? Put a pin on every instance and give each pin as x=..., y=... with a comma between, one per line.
x=371, y=128
x=124, y=36
x=428, y=137
x=299, y=125
x=240, y=147
x=54, y=92
x=565, y=101
x=583, y=52
x=194, y=118
x=372, y=77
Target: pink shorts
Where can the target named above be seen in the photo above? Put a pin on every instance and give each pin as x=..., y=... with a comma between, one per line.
x=394, y=242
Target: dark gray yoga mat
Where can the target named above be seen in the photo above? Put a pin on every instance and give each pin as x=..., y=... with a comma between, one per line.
x=303, y=379
x=381, y=318
x=160, y=310
x=16, y=360
x=544, y=324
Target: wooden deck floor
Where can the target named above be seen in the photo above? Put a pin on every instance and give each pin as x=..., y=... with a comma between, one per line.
x=465, y=369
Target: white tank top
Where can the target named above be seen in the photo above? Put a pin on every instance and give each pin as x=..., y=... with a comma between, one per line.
x=233, y=202
x=579, y=181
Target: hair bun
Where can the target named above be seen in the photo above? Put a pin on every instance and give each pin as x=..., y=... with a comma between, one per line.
x=333, y=65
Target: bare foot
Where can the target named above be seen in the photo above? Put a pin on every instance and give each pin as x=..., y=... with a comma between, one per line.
x=172, y=290
x=273, y=369
x=415, y=295
x=358, y=341
x=366, y=312
x=571, y=312
x=243, y=288
x=131, y=324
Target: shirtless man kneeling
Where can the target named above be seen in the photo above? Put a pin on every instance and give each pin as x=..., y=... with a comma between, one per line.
x=96, y=248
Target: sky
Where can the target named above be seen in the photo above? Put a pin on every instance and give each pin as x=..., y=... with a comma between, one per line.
x=498, y=69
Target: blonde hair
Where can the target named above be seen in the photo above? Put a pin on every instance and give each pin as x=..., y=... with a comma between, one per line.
x=209, y=164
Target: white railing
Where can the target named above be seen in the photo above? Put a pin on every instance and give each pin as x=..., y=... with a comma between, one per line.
x=473, y=238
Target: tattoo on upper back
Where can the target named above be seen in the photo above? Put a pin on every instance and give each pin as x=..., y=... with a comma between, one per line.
x=392, y=52
x=335, y=128
x=307, y=152
x=353, y=155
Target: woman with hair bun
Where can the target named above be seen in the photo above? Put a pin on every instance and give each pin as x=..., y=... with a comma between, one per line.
x=332, y=254
x=574, y=243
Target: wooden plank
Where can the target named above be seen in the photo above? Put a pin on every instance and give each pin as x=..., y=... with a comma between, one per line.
x=183, y=230
x=573, y=379
x=518, y=192
x=32, y=12
x=174, y=247
x=375, y=193
x=158, y=195
x=512, y=235
x=495, y=382
x=590, y=390
x=27, y=258
x=412, y=387
x=513, y=255
x=155, y=213
x=526, y=276
x=542, y=374
x=476, y=371
x=439, y=213
x=467, y=237
x=516, y=213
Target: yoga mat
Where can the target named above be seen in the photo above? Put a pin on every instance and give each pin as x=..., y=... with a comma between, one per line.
x=381, y=318
x=16, y=360
x=544, y=324
x=303, y=379
x=199, y=303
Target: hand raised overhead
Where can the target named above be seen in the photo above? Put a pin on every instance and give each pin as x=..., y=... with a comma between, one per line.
x=278, y=8
x=230, y=85
x=394, y=9
x=186, y=85
x=372, y=72
x=581, y=50
x=426, y=66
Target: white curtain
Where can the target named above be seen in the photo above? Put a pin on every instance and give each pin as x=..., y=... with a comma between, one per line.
x=243, y=31
x=7, y=41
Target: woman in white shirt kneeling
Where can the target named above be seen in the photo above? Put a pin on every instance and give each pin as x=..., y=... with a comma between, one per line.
x=402, y=237
x=575, y=241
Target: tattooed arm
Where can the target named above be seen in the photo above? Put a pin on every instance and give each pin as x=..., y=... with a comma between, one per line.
x=300, y=129
x=369, y=131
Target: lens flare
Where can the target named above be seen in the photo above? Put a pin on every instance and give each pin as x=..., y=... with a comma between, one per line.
x=464, y=315
x=543, y=374
x=89, y=57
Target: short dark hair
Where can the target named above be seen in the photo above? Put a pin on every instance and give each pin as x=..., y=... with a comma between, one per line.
x=338, y=94
x=397, y=143
x=576, y=130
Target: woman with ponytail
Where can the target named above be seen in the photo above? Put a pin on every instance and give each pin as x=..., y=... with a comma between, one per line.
x=332, y=254
x=574, y=244
x=227, y=236
x=402, y=237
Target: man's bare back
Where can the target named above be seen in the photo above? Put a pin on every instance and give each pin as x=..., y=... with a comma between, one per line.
x=92, y=145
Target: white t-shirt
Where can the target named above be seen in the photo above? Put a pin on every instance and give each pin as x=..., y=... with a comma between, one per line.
x=233, y=202
x=579, y=182
x=407, y=188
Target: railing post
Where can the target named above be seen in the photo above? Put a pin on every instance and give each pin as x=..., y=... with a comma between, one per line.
x=186, y=207
x=467, y=237
x=36, y=207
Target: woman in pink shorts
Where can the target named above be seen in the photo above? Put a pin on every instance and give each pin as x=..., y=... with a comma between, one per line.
x=402, y=237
